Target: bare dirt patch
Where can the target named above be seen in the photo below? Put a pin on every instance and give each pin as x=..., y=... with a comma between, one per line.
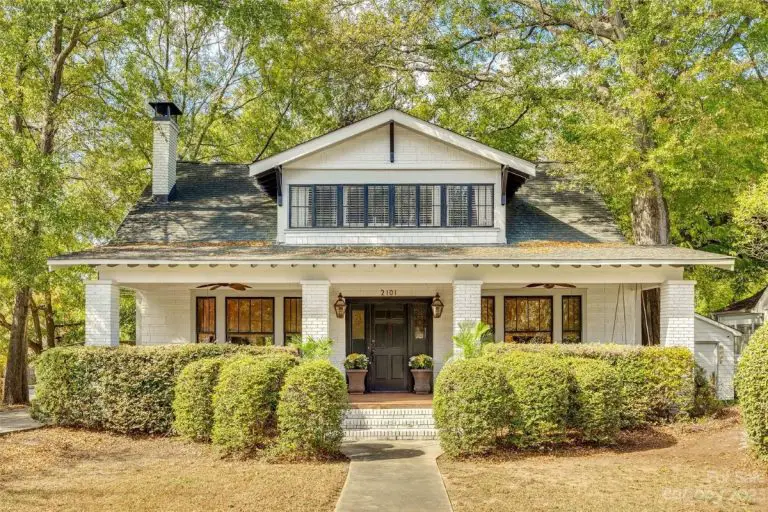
x=700, y=466
x=62, y=469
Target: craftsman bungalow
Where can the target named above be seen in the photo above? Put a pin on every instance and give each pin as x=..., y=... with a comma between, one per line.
x=384, y=235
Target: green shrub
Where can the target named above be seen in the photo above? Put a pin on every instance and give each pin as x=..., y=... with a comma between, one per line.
x=596, y=402
x=193, y=399
x=125, y=389
x=752, y=389
x=658, y=383
x=245, y=400
x=311, y=410
x=473, y=405
x=471, y=338
x=311, y=348
x=542, y=387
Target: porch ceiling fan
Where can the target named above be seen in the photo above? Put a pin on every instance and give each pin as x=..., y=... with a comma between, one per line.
x=235, y=286
x=549, y=286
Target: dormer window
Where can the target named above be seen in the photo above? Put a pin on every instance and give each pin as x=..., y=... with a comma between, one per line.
x=387, y=206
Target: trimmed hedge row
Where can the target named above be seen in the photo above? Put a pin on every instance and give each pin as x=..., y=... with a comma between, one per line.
x=193, y=399
x=245, y=401
x=311, y=410
x=542, y=385
x=752, y=388
x=125, y=389
x=596, y=400
x=531, y=395
x=234, y=402
x=473, y=405
x=658, y=383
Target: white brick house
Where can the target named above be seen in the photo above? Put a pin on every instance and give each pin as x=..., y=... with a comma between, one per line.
x=382, y=216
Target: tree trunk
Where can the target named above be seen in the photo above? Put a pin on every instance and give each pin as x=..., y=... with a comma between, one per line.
x=650, y=216
x=50, y=324
x=15, y=389
x=34, y=313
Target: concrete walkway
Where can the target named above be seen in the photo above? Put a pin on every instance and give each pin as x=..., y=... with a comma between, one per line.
x=393, y=475
x=16, y=420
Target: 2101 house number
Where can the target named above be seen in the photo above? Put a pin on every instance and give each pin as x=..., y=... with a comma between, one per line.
x=388, y=293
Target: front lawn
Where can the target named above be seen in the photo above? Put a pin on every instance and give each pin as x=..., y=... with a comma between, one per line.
x=703, y=466
x=63, y=469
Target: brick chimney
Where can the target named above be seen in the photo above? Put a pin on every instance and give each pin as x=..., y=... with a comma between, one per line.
x=164, y=140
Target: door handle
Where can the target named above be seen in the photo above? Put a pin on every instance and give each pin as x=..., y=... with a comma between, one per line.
x=373, y=347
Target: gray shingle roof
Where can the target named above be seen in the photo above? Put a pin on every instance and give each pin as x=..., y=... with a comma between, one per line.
x=544, y=209
x=221, y=214
x=213, y=203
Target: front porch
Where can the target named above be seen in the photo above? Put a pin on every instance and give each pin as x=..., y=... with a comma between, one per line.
x=390, y=401
x=387, y=306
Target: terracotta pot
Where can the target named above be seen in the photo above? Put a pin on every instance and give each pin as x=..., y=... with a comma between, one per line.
x=422, y=379
x=356, y=381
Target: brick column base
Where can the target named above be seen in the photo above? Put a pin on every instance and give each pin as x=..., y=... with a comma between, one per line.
x=102, y=313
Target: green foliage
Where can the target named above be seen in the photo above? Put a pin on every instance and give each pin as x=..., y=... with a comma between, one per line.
x=474, y=405
x=311, y=410
x=245, y=400
x=596, y=400
x=657, y=382
x=752, y=389
x=311, y=348
x=470, y=339
x=542, y=386
x=421, y=362
x=126, y=390
x=356, y=361
x=193, y=399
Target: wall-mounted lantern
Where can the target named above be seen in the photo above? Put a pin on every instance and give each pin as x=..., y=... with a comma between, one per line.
x=437, y=306
x=340, y=306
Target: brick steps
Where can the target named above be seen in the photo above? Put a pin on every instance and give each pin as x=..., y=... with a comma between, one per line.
x=389, y=424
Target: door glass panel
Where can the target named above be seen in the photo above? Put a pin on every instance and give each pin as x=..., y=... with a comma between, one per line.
x=358, y=324
x=419, y=321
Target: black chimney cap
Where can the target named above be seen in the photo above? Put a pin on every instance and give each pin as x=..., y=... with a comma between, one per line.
x=165, y=108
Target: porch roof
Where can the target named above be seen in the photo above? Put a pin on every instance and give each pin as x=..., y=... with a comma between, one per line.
x=236, y=253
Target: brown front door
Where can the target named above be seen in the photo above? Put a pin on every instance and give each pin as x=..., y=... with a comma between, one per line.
x=389, y=347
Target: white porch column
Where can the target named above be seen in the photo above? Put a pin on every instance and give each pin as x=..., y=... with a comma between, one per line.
x=102, y=313
x=466, y=302
x=677, y=314
x=315, y=308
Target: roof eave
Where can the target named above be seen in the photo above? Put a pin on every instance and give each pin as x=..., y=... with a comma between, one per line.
x=725, y=263
x=329, y=139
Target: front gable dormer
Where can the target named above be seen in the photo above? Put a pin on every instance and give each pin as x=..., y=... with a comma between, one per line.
x=394, y=179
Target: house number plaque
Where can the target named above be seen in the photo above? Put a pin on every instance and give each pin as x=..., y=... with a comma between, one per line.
x=388, y=293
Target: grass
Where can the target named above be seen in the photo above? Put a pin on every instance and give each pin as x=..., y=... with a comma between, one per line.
x=700, y=466
x=63, y=469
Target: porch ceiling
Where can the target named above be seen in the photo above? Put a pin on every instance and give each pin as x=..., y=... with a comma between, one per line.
x=255, y=253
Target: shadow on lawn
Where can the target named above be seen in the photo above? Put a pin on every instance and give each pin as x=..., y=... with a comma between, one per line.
x=640, y=440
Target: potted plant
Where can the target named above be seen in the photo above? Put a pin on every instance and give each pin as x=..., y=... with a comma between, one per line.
x=357, y=369
x=421, y=369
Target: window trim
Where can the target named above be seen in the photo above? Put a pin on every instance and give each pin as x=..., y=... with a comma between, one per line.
x=285, y=317
x=531, y=297
x=391, y=192
x=250, y=333
x=197, y=317
x=581, y=317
